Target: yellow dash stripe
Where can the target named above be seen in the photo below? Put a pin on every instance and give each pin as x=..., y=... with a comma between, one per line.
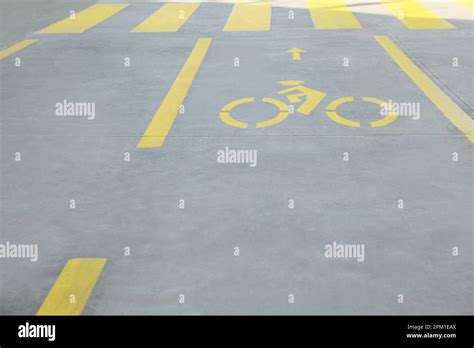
x=169, y=18
x=72, y=289
x=250, y=16
x=446, y=105
x=332, y=14
x=467, y=3
x=15, y=48
x=415, y=16
x=165, y=116
x=84, y=20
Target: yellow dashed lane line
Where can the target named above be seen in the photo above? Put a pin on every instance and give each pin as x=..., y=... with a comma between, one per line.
x=15, y=48
x=73, y=287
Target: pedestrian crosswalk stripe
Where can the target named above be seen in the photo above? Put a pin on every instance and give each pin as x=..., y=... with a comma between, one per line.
x=332, y=14
x=415, y=16
x=15, y=48
x=169, y=18
x=467, y=3
x=250, y=16
x=84, y=20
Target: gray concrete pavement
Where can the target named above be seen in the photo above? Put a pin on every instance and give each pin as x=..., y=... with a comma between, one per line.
x=21, y=18
x=190, y=251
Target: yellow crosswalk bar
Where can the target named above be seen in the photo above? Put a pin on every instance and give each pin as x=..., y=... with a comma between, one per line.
x=415, y=16
x=250, y=16
x=84, y=20
x=332, y=14
x=72, y=289
x=169, y=18
x=15, y=48
x=467, y=3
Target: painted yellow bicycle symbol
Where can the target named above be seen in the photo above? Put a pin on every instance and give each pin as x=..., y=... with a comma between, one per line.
x=309, y=99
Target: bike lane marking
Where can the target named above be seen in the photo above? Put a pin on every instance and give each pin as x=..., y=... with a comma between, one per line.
x=236, y=105
x=163, y=120
x=460, y=119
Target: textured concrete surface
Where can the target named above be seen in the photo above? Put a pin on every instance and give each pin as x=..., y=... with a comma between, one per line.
x=190, y=251
x=19, y=19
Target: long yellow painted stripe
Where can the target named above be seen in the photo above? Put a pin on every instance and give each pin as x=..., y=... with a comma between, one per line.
x=84, y=20
x=250, y=16
x=72, y=289
x=446, y=105
x=165, y=116
x=467, y=3
x=415, y=16
x=332, y=14
x=169, y=18
x=15, y=48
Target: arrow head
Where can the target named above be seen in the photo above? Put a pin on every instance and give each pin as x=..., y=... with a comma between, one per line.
x=295, y=50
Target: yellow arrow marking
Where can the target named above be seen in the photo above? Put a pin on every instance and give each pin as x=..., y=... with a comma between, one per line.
x=296, y=53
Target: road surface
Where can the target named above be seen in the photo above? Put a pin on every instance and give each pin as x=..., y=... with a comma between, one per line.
x=120, y=129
